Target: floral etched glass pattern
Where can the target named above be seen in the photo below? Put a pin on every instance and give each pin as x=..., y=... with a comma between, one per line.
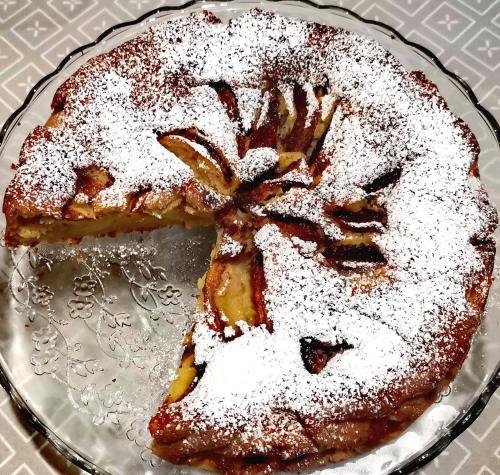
x=91, y=335
x=105, y=322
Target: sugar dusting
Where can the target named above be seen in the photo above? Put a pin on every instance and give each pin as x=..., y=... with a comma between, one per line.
x=229, y=247
x=256, y=162
x=298, y=175
x=385, y=120
x=249, y=102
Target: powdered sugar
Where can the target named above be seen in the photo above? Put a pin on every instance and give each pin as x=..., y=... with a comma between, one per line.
x=249, y=101
x=385, y=120
x=306, y=248
x=264, y=109
x=312, y=103
x=256, y=162
x=229, y=247
x=120, y=144
x=299, y=175
x=300, y=296
x=286, y=90
x=327, y=102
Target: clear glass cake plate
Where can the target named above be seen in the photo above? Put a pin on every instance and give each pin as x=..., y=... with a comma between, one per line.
x=90, y=335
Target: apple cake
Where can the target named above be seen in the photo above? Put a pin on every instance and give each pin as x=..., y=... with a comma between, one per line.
x=354, y=253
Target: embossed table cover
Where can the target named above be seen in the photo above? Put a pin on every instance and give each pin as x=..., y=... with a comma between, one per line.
x=36, y=34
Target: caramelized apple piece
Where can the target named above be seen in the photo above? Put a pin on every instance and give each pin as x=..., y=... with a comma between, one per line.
x=316, y=354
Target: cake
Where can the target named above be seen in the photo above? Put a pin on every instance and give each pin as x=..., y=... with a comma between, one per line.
x=354, y=253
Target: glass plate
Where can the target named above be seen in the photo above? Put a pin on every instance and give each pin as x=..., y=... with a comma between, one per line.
x=91, y=334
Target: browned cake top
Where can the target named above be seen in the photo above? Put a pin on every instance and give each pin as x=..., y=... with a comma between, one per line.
x=392, y=142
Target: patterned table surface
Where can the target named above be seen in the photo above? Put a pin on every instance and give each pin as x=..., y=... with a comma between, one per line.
x=36, y=34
